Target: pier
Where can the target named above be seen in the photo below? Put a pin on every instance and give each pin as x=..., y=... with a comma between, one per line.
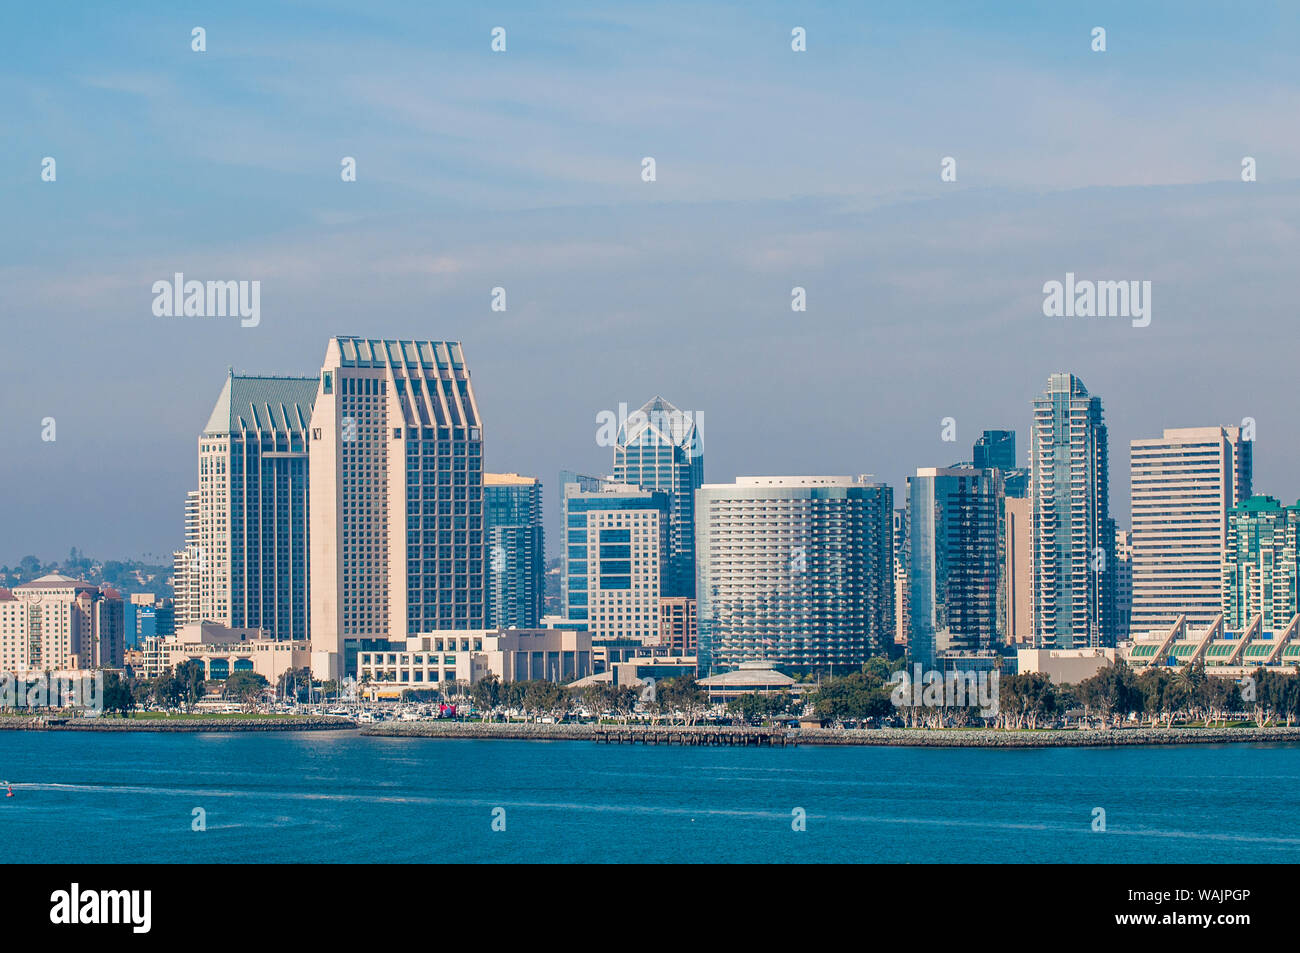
x=705, y=735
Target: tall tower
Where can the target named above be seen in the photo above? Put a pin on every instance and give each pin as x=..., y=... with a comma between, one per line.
x=1073, y=534
x=512, y=520
x=953, y=564
x=186, y=563
x=1261, y=566
x=396, y=500
x=659, y=448
x=1185, y=484
x=251, y=550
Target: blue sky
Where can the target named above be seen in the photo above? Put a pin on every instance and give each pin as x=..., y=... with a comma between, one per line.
x=775, y=169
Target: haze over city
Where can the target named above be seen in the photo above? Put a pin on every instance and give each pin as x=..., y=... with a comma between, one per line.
x=523, y=171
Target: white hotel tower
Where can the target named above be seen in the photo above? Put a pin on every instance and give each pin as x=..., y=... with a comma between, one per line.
x=396, y=499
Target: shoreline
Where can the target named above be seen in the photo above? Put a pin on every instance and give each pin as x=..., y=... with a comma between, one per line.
x=679, y=735
x=877, y=737
x=289, y=723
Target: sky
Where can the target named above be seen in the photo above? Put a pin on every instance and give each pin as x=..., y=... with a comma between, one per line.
x=522, y=169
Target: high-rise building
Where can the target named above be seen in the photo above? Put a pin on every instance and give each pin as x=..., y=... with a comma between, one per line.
x=512, y=522
x=679, y=632
x=1017, y=571
x=1185, y=483
x=658, y=447
x=185, y=565
x=616, y=541
x=797, y=571
x=1073, y=534
x=56, y=623
x=1123, y=584
x=251, y=551
x=902, y=620
x=1260, y=564
x=396, y=501
x=952, y=531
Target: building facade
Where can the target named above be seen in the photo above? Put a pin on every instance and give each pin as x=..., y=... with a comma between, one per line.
x=185, y=565
x=516, y=562
x=1259, y=566
x=616, y=544
x=1017, y=571
x=659, y=448
x=251, y=549
x=953, y=565
x=56, y=623
x=396, y=501
x=1185, y=483
x=1073, y=533
x=679, y=632
x=796, y=571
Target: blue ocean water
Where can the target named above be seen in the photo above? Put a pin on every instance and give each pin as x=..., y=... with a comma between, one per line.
x=339, y=797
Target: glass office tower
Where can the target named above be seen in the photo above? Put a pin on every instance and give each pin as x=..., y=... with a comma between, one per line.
x=659, y=448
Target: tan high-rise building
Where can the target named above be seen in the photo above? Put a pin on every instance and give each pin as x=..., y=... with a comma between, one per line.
x=56, y=623
x=396, y=497
x=1018, y=570
x=1184, y=485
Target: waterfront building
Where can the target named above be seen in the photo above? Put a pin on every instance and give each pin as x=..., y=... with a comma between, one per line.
x=57, y=623
x=795, y=571
x=223, y=651
x=516, y=562
x=953, y=564
x=1073, y=534
x=616, y=541
x=1185, y=483
x=1226, y=650
x=396, y=497
x=1260, y=564
x=658, y=448
x=251, y=548
x=431, y=660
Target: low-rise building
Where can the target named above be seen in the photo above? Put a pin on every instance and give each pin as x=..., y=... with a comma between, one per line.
x=432, y=659
x=223, y=651
x=747, y=678
x=1065, y=666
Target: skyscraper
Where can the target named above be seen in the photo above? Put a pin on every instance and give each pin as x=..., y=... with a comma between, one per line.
x=512, y=521
x=659, y=447
x=186, y=563
x=952, y=530
x=396, y=502
x=1073, y=534
x=1260, y=574
x=251, y=551
x=797, y=571
x=616, y=538
x=1185, y=483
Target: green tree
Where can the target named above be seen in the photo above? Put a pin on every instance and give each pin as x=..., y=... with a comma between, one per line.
x=118, y=696
x=246, y=687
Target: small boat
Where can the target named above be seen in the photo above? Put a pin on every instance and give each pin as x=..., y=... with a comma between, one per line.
x=9, y=791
